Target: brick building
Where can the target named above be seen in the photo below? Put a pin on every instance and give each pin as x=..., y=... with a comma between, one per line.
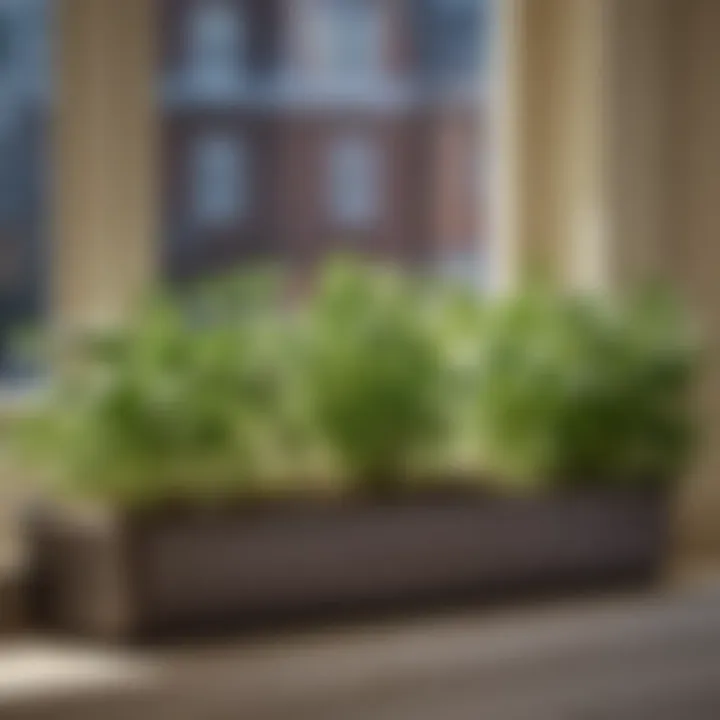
x=24, y=97
x=292, y=128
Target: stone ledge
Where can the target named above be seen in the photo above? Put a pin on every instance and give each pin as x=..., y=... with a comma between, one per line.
x=335, y=673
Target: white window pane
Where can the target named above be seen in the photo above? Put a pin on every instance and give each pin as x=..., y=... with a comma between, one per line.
x=217, y=36
x=219, y=181
x=347, y=38
x=353, y=181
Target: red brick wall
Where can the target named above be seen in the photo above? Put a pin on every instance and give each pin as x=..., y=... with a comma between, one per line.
x=430, y=204
x=456, y=144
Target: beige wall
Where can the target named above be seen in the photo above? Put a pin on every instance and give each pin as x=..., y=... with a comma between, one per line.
x=693, y=221
x=105, y=203
x=551, y=76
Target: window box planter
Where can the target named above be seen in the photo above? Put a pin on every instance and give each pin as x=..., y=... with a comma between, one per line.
x=144, y=574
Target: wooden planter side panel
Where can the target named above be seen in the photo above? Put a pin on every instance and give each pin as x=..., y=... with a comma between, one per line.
x=85, y=577
x=170, y=573
x=282, y=563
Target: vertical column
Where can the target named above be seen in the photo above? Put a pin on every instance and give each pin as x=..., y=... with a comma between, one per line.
x=584, y=147
x=514, y=241
x=550, y=81
x=105, y=140
x=640, y=71
x=581, y=120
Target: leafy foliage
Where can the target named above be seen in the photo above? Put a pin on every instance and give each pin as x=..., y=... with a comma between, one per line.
x=581, y=389
x=372, y=371
x=167, y=408
x=378, y=378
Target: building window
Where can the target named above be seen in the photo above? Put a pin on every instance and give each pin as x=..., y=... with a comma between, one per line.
x=217, y=37
x=219, y=170
x=347, y=39
x=353, y=182
x=455, y=36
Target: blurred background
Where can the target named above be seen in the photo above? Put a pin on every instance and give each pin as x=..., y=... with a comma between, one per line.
x=285, y=131
x=290, y=130
x=483, y=142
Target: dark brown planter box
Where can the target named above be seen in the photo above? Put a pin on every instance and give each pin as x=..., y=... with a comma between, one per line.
x=169, y=572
